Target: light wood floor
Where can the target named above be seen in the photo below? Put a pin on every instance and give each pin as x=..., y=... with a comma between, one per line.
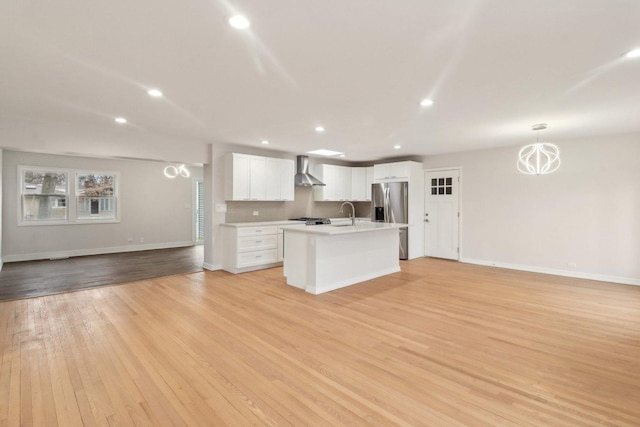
x=438, y=344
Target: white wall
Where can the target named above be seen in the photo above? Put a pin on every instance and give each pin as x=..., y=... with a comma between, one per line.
x=1, y=227
x=153, y=207
x=587, y=212
x=103, y=142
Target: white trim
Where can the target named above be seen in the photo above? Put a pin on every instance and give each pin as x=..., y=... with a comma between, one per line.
x=211, y=267
x=96, y=251
x=1, y=263
x=556, y=272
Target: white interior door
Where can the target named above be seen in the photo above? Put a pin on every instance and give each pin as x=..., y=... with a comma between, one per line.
x=441, y=213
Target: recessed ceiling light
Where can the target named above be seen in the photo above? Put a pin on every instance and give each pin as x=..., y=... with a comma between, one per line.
x=265, y=142
x=343, y=155
x=239, y=22
x=320, y=129
x=155, y=93
x=426, y=103
x=323, y=152
x=120, y=120
x=397, y=147
x=635, y=53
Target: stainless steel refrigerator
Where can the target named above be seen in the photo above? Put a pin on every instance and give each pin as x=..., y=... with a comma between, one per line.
x=390, y=203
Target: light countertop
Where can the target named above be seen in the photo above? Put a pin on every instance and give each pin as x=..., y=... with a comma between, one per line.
x=328, y=229
x=285, y=222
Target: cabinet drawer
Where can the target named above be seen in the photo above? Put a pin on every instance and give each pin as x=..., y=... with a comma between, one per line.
x=247, y=259
x=253, y=231
x=253, y=243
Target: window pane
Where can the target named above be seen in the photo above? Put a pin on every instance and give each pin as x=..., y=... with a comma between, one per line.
x=440, y=181
x=449, y=182
x=96, y=196
x=44, y=195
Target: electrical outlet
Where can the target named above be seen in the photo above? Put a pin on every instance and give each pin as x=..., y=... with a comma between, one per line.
x=130, y=239
x=572, y=264
x=256, y=213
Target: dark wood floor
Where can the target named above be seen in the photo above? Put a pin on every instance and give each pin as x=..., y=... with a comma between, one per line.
x=37, y=278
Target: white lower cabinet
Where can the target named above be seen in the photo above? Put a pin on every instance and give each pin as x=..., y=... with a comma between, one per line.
x=249, y=248
x=280, y=244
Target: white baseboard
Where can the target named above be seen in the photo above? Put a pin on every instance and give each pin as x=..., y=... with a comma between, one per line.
x=95, y=251
x=554, y=271
x=211, y=267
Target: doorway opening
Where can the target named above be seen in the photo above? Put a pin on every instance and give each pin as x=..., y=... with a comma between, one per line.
x=198, y=232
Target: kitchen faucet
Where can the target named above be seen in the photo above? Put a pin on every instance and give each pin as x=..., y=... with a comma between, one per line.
x=353, y=209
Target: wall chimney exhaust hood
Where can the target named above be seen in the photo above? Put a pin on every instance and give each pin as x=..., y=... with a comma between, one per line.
x=303, y=178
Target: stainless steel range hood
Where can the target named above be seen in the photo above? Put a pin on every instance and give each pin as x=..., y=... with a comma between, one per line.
x=303, y=178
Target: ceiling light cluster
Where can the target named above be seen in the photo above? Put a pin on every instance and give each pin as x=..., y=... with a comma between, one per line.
x=173, y=171
x=540, y=158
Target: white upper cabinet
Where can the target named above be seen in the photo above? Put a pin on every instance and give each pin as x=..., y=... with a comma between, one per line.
x=258, y=178
x=343, y=185
x=279, y=179
x=326, y=174
x=397, y=171
x=368, y=182
x=359, y=185
x=337, y=181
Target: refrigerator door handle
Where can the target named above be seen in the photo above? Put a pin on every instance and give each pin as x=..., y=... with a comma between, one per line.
x=387, y=204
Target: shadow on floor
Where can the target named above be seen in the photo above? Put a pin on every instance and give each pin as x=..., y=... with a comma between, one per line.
x=46, y=277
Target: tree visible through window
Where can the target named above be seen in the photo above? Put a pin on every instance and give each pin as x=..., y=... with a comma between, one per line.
x=44, y=195
x=96, y=196
x=47, y=196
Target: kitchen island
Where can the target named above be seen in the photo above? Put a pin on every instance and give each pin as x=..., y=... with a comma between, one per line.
x=322, y=258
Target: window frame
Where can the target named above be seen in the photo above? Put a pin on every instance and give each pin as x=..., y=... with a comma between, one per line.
x=21, y=194
x=71, y=193
x=116, y=197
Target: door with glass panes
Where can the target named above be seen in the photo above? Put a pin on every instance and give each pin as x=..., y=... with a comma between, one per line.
x=441, y=214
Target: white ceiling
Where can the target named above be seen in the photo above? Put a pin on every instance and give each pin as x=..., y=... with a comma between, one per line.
x=358, y=67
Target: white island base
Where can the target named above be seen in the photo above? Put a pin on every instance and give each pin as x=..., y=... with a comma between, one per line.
x=322, y=258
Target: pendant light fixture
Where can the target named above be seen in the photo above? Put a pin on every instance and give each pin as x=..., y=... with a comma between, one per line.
x=539, y=158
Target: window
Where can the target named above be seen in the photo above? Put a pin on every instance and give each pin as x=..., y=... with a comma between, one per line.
x=43, y=195
x=441, y=186
x=46, y=196
x=96, y=196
